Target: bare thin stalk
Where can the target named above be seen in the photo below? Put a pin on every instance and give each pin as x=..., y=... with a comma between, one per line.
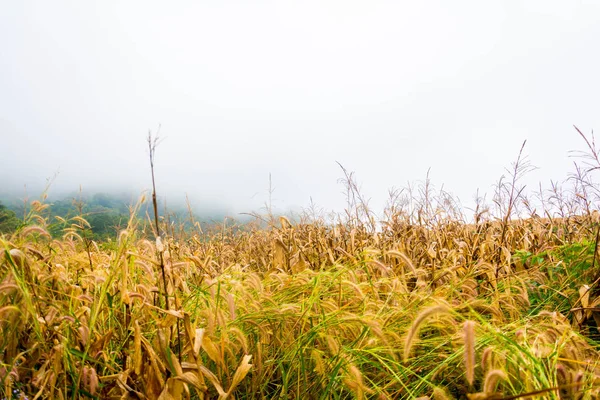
x=152, y=149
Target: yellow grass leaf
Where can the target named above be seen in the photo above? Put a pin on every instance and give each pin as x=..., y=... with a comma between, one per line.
x=285, y=223
x=240, y=373
x=198, y=340
x=173, y=390
x=191, y=377
x=584, y=296
x=214, y=380
x=211, y=350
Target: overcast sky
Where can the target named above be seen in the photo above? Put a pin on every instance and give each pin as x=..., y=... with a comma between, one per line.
x=247, y=88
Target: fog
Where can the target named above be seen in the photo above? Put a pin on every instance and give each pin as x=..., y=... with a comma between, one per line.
x=247, y=90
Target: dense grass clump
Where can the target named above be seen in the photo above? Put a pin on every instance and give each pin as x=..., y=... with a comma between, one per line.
x=437, y=309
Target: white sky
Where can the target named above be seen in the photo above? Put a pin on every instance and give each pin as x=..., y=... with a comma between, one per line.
x=247, y=88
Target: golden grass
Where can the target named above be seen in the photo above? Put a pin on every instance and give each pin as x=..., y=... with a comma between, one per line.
x=306, y=310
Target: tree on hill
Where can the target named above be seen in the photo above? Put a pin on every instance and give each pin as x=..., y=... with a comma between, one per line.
x=8, y=220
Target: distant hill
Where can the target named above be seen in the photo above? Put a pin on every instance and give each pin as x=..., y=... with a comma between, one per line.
x=106, y=213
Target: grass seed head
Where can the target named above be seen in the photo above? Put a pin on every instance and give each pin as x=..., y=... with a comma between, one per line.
x=416, y=326
x=469, y=350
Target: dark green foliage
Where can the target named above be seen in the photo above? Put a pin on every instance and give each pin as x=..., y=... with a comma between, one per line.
x=106, y=214
x=8, y=220
x=566, y=268
x=106, y=223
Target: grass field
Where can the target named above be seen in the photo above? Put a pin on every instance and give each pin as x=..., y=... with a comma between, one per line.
x=418, y=305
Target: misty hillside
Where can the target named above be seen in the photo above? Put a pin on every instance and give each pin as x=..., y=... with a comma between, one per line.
x=106, y=213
